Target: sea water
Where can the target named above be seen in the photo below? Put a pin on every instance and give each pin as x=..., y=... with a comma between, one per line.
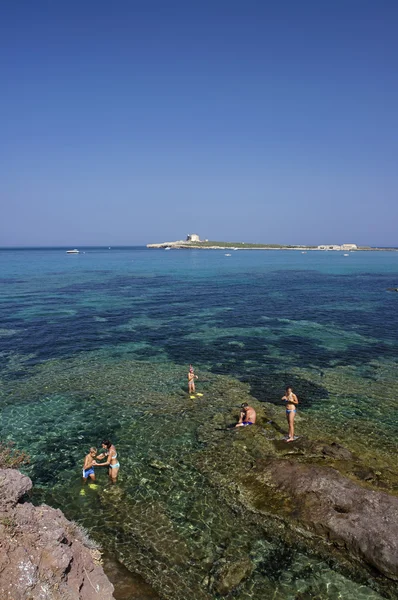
x=98, y=345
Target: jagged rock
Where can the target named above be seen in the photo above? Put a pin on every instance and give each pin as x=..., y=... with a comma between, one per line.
x=13, y=485
x=231, y=575
x=43, y=556
x=363, y=521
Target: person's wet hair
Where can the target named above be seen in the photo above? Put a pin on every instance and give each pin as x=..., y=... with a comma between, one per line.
x=288, y=387
x=106, y=443
x=244, y=405
x=93, y=450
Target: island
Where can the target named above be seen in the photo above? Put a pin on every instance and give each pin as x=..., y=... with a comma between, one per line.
x=193, y=241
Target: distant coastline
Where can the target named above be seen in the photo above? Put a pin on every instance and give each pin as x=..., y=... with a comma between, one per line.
x=214, y=245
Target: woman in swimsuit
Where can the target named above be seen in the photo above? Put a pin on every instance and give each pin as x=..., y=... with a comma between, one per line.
x=112, y=463
x=191, y=380
x=291, y=403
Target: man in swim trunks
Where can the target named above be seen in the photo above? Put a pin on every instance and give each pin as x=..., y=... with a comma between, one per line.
x=247, y=415
x=88, y=467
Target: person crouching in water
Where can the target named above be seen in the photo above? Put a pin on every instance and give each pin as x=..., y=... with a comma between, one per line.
x=291, y=403
x=88, y=466
x=191, y=380
x=247, y=415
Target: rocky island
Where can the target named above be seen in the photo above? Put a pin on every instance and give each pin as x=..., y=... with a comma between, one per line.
x=193, y=241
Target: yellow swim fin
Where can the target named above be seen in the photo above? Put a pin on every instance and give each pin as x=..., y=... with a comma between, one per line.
x=82, y=492
x=192, y=397
x=200, y=395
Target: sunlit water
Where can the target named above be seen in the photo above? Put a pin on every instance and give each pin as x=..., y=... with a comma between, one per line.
x=97, y=345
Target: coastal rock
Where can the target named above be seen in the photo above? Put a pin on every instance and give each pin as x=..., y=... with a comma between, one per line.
x=363, y=521
x=13, y=485
x=43, y=556
x=231, y=575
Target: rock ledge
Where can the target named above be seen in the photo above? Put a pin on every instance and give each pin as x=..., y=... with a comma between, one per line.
x=43, y=556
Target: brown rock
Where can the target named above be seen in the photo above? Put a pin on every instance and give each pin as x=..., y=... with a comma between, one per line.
x=42, y=555
x=363, y=521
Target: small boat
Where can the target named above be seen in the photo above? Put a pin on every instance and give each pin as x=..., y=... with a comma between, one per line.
x=227, y=255
x=303, y=253
x=75, y=251
x=167, y=248
x=346, y=255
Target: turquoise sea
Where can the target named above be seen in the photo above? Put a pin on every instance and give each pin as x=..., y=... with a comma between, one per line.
x=98, y=345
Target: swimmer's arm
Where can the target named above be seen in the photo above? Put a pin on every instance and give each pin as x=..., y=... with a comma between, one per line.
x=86, y=463
x=295, y=399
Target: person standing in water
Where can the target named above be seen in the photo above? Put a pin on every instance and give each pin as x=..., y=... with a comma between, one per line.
x=291, y=402
x=109, y=452
x=191, y=380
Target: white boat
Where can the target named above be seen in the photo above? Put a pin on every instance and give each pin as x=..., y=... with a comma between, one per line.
x=303, y=253
x=227, y=255
x=75, y=251
x=346, y=255
x=167, y=248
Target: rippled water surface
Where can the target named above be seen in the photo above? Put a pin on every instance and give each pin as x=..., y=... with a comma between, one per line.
x=98, y=344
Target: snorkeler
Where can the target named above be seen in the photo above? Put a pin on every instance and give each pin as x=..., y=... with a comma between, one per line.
x=291, y=402
x=191, y=380
x=247, y=415
x=88, y=466
x=112, y=463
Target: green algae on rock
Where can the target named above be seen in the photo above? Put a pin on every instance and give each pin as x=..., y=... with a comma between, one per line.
x=180, y=514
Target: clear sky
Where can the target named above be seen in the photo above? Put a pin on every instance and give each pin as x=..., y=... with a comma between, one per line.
x=141, y=121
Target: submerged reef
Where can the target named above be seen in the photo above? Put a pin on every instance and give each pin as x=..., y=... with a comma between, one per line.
x=202, y=509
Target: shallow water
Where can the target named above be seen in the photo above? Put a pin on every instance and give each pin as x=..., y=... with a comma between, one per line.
x=97, y=345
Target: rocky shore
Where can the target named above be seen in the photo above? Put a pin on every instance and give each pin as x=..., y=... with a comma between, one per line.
x=43, y=556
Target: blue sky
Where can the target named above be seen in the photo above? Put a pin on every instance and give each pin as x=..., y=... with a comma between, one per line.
x=134, y=122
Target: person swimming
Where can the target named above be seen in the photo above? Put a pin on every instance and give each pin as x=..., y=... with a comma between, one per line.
x=191, y=380
x=291, y=402
x=112, y=463
x=88, y=466
x=247, y=415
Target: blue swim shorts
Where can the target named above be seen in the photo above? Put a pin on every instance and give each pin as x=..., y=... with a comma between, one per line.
x=247, y=423
x=88, y=472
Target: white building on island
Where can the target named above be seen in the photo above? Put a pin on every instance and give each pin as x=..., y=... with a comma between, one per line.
x=329, y=247
x=336, y=247
x=193, y=237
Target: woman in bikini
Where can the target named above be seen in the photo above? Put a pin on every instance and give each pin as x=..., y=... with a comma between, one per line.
x=291, y=402
x=191, y=380
x=112, y=463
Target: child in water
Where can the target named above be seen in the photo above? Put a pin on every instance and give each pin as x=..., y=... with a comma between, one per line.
x=88, y=467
